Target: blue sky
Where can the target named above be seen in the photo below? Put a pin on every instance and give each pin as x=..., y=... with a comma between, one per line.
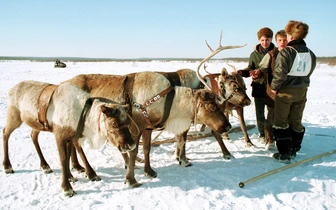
x=155, y=29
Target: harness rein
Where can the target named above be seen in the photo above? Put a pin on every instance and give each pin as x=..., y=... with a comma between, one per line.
x=214, y=85
x=149, y=102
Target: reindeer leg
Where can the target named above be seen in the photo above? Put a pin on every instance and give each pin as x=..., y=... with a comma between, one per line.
x=63, y=150
x=6, y=162
x=13, y=122
x=43, y=163
x=226, y=154
x=130, y=180
x=74, y=160
x=88, y=169
x=69, y=148
x=146, y=142
x=240, y=112
x=226, y=135
x=180, y=149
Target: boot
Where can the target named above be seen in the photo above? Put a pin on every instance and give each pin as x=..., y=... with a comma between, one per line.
x=269, y=136
x=283, y=140
x=296, y=141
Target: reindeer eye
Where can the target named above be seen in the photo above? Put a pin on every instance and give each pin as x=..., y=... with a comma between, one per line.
x=115, y=124
x=221, y=84
x=211, y=107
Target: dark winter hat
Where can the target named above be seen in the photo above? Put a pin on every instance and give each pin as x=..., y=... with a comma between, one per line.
x=297, y=29
x=267, y=32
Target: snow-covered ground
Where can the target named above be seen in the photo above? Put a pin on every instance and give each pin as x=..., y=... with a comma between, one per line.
x=211, y=183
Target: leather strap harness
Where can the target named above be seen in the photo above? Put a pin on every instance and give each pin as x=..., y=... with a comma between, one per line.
x=170, y=90
x=43, y=104
x=128, y=90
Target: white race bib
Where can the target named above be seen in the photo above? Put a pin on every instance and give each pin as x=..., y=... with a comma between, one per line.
x=301, y=65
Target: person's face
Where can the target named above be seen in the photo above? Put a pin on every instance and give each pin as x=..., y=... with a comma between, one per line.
x=281, y=42
x=265, y=42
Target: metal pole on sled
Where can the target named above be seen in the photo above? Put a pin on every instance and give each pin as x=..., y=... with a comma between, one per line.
x=242, y=184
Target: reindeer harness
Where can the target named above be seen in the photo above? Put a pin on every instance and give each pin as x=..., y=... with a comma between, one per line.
x=43, y=104
x=170, y=92
x=212, y=80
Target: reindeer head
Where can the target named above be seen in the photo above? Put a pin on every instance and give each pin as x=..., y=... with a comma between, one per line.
x=208, y=111
x=213, y=53
x=236, y=85
x=116, y=122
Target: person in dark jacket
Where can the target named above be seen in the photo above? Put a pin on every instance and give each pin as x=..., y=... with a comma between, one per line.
x=265, y=36
x=266, y=75
x=293, y=68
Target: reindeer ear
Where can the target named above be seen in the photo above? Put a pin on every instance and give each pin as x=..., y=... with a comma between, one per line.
x=104, y=109
x=108, y=110
x=224, y=72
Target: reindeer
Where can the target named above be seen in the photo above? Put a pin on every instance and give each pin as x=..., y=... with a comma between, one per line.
x=155, y=105
x=72, y=116
x=231, y=91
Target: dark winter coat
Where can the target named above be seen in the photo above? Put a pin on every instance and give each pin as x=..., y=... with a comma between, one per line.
x=258, y=90
x=284, y=63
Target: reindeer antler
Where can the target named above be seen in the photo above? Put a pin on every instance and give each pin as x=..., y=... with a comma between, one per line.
x=204, y=67
x=233, y=67
x=213, y=53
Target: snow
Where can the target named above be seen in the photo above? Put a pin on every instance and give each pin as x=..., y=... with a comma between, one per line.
x=211, y=183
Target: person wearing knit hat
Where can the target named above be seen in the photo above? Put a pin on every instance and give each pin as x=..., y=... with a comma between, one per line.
x=293, y=68
x=265, y=36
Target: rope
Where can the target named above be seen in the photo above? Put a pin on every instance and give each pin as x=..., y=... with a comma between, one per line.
x=136, y=126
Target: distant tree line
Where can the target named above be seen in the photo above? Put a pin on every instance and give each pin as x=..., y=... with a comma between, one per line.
x=324, y=60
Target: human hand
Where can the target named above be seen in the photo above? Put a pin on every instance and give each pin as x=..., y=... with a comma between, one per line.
x=274, y=91
x=255, y=74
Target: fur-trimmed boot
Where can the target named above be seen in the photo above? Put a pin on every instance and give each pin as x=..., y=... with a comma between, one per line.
x=269, y=136
x=296, y=141
x=283, y=140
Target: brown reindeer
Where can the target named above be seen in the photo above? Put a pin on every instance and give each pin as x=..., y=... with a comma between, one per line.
x=230, y=86
x=152, y=109
x=235, y=104
x=230, y=89
x=72, y=116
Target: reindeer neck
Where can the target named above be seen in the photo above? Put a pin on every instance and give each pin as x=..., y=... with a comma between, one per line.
x=184, y=99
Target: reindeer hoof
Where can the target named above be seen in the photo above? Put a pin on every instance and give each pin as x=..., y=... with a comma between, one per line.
x=225, y=136
x=135, y=184
x=188, y=165
x=185, y=164
x=249, y=144
x=228, y=157
x=73, y=179
x=95, y=178
x=79, y=168
x=69, y=193
x=9, y=170
x=152, y=174
x=46, y=169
